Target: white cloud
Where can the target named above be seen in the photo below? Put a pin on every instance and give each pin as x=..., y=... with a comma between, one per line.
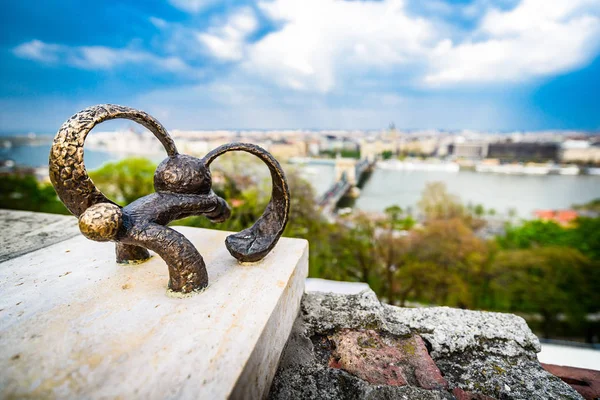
x=320, y=39
x=478, y=8
x=158, y=22
x=322, y=44
x=328, y=63
x=192, y=6
x=38, y=51
x=536, y=38
x=228, y=42
x=95, y=57
x=331, y=46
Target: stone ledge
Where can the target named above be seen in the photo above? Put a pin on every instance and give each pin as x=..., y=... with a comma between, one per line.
x=22, y=231
x=74, y=324
x=477, y=355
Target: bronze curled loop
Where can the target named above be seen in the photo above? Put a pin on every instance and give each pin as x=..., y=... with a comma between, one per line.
x=183, y=188
x=256, y=242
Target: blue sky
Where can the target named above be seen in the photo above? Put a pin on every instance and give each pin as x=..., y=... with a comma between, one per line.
x=207, y=64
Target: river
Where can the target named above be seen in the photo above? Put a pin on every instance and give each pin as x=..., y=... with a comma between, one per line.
x=388, y=187
x=523, y=193
x=37, y=156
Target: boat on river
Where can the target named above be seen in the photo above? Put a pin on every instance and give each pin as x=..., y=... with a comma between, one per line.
x=418, y=166
x=515, y=169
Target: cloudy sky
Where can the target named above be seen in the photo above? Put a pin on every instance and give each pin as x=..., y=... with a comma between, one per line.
x=205, y=64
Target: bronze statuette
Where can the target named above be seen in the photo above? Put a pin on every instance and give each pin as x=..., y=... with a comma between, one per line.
x=183, y=188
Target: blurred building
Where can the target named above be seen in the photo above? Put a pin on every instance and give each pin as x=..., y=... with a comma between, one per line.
x=285, y=150
x=524, y=151
x=418, y=146
x=194, y=147
x=128, y=141
x=370, y=148
x=468, y=150
x=313, y=148
x=562, y=217
x=580, y=151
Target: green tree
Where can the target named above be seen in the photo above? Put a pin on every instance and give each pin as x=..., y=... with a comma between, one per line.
x=437, y=203
x=24, y=192
x=460, y=258
x=346, y=153
x=479, y=210
x=394, y=212
x=583, y=235
x=126, y=180
x=397, y=218
x=548, y=280
x=387, y=154
x=534, y=233
x=353, y=249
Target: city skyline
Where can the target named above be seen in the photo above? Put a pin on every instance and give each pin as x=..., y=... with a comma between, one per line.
x=202, y=64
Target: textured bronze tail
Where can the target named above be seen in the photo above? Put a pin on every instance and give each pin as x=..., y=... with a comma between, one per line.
x=184, y=188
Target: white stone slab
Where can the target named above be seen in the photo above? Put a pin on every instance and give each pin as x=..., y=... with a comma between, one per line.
x=24, y=231
x=578, y=357
x=74, y=324
x=339, y=287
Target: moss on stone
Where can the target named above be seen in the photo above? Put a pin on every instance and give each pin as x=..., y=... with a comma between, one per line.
x=499, y=369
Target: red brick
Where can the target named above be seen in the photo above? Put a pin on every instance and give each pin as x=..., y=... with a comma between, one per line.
x=385, y=360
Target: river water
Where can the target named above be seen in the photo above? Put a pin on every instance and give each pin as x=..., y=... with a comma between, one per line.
x=523, y=193
x=388, y=187
x=37, y=156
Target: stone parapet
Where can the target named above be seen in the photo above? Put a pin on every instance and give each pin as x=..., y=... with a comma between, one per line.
x=354, y=347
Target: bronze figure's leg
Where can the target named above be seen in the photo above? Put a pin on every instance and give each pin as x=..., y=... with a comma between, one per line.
x=187, y=271
x=127, y=253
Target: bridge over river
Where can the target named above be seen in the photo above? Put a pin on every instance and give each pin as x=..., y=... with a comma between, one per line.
x=348, y=172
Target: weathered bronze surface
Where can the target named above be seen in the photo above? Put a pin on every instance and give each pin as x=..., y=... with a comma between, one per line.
x=183, y=188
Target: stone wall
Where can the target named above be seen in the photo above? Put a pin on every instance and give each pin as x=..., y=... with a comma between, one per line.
x=354, y=347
